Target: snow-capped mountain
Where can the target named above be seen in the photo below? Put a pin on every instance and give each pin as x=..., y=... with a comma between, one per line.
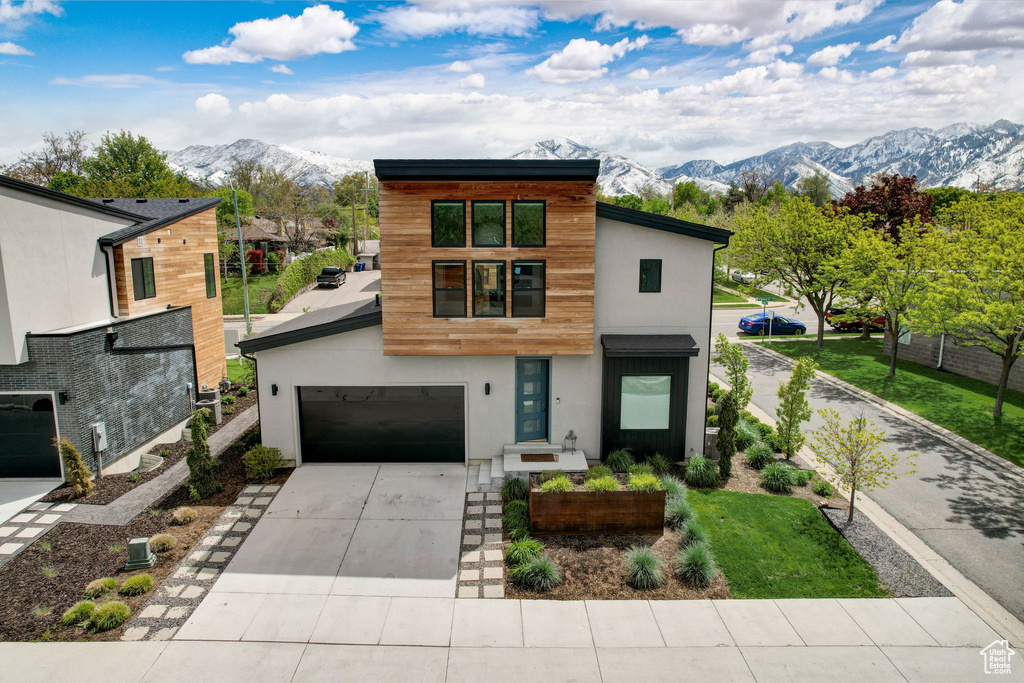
x=212, y=164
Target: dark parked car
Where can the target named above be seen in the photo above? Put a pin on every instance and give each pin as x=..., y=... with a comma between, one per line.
x=331, y=276
x=850, y=325
x=758, y=324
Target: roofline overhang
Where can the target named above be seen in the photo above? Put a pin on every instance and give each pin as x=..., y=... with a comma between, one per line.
x=127, y=234
x=486, y=169
x=64, y=198
x=262, y=343
x=664, y=223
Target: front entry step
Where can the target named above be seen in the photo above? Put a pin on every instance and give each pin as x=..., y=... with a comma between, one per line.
x=531, y=447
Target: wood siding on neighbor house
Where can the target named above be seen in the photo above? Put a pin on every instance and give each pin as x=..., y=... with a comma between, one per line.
x=409, y=326
x=180, y=279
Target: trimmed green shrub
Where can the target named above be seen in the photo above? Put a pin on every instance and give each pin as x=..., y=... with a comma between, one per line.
x=619, y=461
x=136, y=585
x=692, y=532
x=701, y=472
x=77, y=473
x=81, y=611
x=659, y=464
x=726, y=444
x=250, y=437
x=548, y=475
x=767, y=433
x=802, y=477
x=301, y=272
x=695, y=565
x=644, y=568
x=161, y=543
x=640, y=468
x=598, y=471
x=227, y=400
x=522, y=551
x=673, y=487
x=712, y=420
x=759, y=455
x=184, y=515
x=261, y=462
x=823, y=489
x=100, y=587
x=243, y=391
x=602, y=484
x=746, y=434
x=539, y=573
x=514, y=488
x=712, y=388
x=557, y=485
x=677, y=512
x=644, y=483
x=110, y=615
x=718, y=394
x=778, y=477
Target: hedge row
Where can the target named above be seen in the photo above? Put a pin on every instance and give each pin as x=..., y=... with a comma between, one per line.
x=302, y=272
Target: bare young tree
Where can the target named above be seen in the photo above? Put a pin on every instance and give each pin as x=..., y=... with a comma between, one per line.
x=60, y=154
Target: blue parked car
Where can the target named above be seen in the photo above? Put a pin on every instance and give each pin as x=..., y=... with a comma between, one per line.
x=758, y=324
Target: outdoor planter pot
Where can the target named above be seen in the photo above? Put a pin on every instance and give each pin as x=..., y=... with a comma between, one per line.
x=587, y=512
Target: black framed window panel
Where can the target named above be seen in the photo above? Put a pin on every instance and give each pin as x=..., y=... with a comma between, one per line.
x=449, y=278
x=211, y=276
x=528, y=286
x=529, y=223
x=143, y=281
x=488, y=289
x=650, y=275
x=488, y=224
x=447, y=223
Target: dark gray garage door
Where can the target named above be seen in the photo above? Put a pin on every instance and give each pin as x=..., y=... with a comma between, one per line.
x=382, y=424
x=27, y=431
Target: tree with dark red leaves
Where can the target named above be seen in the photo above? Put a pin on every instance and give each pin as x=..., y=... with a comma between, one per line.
x=891, y=200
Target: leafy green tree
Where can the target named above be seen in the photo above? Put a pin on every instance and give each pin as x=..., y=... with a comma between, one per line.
x=226, y=208
x=854, y=450
x=799, y=244
x=976, y=293
x=630, y=201
x=793, y=409
x=728, y=416
x=128, y=166
x=817, y=188
x=201, y=483
x=945, y=197
x=730, y=356
x=657, y=205
x=60, y=155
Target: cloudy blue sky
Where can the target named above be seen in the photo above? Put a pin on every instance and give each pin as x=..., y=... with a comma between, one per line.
x=661, y=81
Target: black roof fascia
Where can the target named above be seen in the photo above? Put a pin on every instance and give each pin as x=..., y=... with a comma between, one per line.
x=660, y=222
x=262, y=343
x=649, y=345
x=149, y=225
x=47, y=193
x=487, y=169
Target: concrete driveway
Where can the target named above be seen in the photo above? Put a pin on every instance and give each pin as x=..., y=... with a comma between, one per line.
x=360, y=286
x=17, y=494
x=340, y=541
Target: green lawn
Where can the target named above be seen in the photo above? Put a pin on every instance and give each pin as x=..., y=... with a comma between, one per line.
x=961, y=405
x=779, y=547
x=260, y=289
x=721, y=296
x=235, y=370
x=760, y=293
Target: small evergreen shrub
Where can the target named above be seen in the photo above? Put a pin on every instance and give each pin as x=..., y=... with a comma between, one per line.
x=644, y=568
x=514, y=488
x=643, y=483
x=673, y=487
x=746, y=434
x=677, y=512
x=766, y=431
x=227, y=400
x=692, y=532
x=718, y=394
x=640, y=468
x=659, y=464
x=712, y=420
x=695, y=565
x=823, y=489
x=202, y=483
x=540, y=573
x=598, y=471
x=110, y=615
x=77, y=473
x=557, y=485
x=161, y=543
x=802, y=477
x=712, y=388
x=100, y=587
x=602, y=484
x=243, y=391
x=250, y=437
x=136, y=585
x=81, y=611
x=778, y=477
x=548, y=475
x=261, y=462
x=701, y=472
x=184, y=515
x=619, y=461
x=522, y=551
x=227, y=410
x=760, y=455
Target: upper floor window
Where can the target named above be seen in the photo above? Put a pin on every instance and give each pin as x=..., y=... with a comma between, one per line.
x=449, y=279
x=488, y=224
x=448, y=223
x=488, y=289
x=143, y=281
x=650, y=275
x=527, y=289
x=528, y=223
x=211, y=276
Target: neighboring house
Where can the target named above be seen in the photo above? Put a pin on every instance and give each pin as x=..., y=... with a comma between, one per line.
x=515, y=308
x=110, y=314
x=260, y=234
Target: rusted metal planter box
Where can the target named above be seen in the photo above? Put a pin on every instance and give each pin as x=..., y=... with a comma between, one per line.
x=584, y=512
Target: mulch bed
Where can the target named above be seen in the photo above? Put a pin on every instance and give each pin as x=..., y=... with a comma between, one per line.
x=82, y=552
x=112, y=486
x=748, y=480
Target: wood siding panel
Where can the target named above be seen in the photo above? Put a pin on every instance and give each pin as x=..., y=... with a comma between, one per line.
x=409, y=327
x=180, y=278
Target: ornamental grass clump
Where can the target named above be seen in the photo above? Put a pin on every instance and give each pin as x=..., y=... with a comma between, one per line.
x=81, y=611
x=619, y=461
x=659, y=464
x=184, y=515
x=540, y=573
x=602, y=484
x=692, y=532
x=161, y=543
x=514, y=488
x=136, y=585
x=645, y=570
x=522, y=551
x=598, y=471
x=100, y=587
x=677, y=512
x=823, y=489
x=640, y=468
x=746, y=434
x=643, y=483
x=557, y=485
x=696, y=565
x=110, y=615
x=802, y=477
x=701, y=472
x=778, y=477
x=547, y=475
x=674, y=488
x=760, y=455
x=516, y=514
x=77, y=473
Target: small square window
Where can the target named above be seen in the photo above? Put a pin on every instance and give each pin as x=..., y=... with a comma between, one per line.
x=488, y=224
x=650, y=275
x=645, y=401
x=448, y=223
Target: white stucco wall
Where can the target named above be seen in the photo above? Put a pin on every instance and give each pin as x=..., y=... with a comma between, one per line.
x=53, y=271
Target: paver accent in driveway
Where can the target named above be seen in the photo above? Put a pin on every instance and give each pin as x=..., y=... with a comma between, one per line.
x=23, y=529
x=482, y=564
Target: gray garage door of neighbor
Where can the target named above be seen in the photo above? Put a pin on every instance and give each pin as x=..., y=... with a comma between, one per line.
x=27, y=430
x=382, y=424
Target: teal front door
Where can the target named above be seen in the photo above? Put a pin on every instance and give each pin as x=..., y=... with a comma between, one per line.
x=532, y=399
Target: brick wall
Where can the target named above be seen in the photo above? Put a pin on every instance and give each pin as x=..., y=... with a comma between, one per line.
x=974, y=362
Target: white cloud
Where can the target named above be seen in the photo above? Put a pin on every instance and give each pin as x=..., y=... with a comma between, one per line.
x=282, y=69
x=582, y=60
x=12, y=49
x=934, y=58
x=769, y=54
x=165, y=68
x=645, y=75
x=966, y=25
x=460, y=67
x=213, y=106
x=414, y=22
x=832, y=55
x=15, y=17
x=114, y=81
x=881, y=44
x=317, y=30
x=475, y=81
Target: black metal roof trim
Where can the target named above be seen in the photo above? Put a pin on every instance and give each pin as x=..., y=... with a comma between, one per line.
x=649, y=345
x=665, y=223
x=131, y=232
x=487, y=169
x=325, y=322
x=47, y=193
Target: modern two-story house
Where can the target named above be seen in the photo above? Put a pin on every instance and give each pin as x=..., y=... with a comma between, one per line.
x=515, y=309
x=110, y=319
